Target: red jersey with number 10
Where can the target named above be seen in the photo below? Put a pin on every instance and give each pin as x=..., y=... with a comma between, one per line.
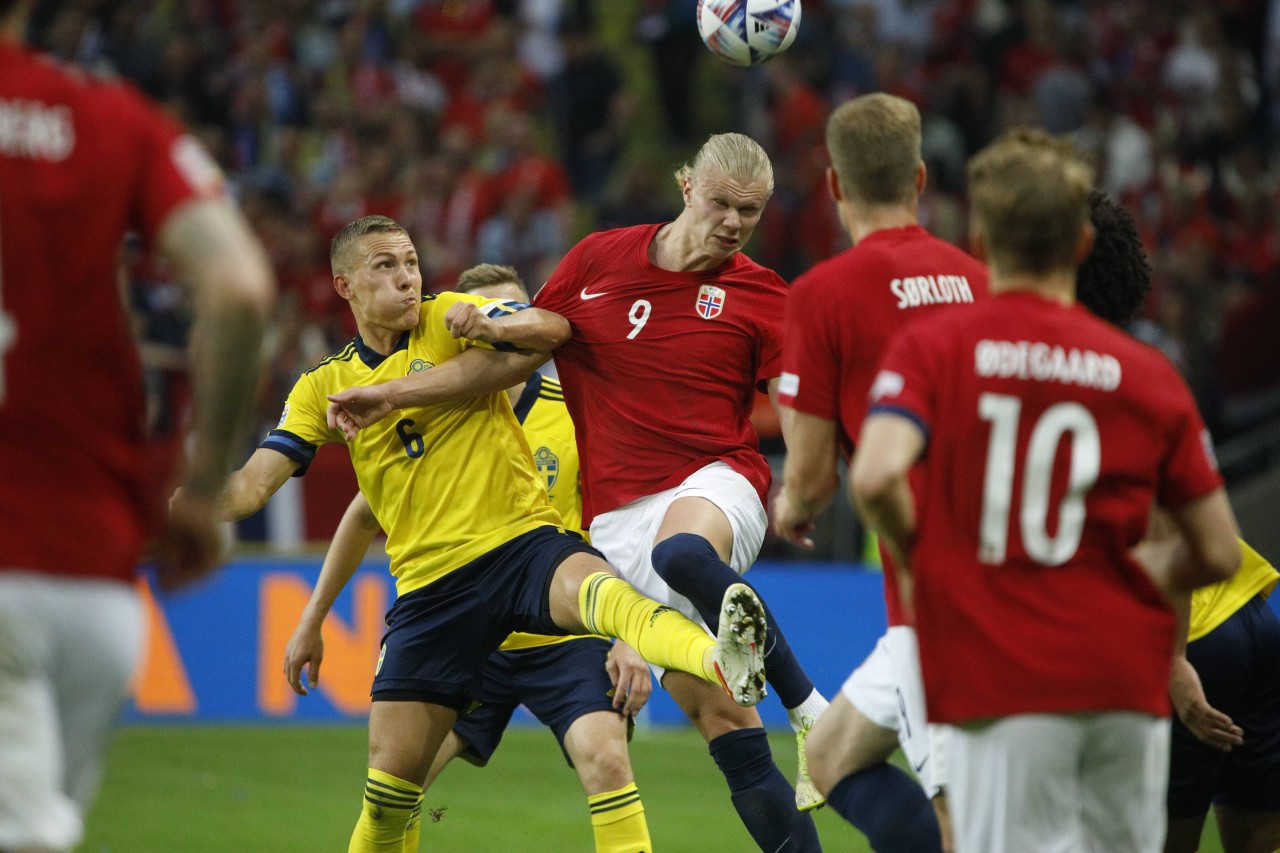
x=1050, y=433
x=661, y=373
x=82, y=162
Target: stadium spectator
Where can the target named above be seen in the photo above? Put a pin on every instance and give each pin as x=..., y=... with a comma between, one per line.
x=1040, y=707
x=566, y=682
x=82, y=164
x=841, y=315
x=471, y=564
x=673, y=493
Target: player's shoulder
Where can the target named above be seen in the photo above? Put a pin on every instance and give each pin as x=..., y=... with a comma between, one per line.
x=334, y=362
x=48, y=78
x=746, y=269
x=549, y=388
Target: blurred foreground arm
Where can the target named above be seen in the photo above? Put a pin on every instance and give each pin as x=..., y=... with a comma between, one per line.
x=233, y=287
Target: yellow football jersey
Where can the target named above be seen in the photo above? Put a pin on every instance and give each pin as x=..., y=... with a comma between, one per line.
x=1213, y=605
x=448, y=482
x=549, y=432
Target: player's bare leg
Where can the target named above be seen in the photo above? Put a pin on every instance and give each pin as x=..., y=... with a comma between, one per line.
x=693, y=552
x=404, y=738
x=597, y=745
x=849, y=764
x=1247, y=831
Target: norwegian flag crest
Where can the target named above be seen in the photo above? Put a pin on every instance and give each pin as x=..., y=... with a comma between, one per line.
x=710, y=301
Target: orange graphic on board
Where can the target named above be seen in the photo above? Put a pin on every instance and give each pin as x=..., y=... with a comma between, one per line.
x=161, y=686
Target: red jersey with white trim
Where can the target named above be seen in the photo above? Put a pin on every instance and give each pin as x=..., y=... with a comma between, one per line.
x=82, y=162
x=661, y=372
x=842, y=314
x=1050, y=433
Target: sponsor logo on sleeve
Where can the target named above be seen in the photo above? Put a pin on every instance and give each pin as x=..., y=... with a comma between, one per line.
x=887, y=384
x=789, y=384
x=194, y=163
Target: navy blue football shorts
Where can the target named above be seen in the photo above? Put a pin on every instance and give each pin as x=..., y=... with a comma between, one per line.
x=439, y=637
x=558, y=684
x=1239, y=665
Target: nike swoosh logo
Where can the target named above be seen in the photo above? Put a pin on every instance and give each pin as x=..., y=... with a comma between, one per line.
x=921, y=765
x=586, y=295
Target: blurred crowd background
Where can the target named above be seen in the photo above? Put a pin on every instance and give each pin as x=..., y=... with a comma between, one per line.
x=503, y=130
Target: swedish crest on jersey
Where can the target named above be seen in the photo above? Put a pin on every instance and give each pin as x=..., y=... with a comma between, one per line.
x=710, y=301
x=548, y=465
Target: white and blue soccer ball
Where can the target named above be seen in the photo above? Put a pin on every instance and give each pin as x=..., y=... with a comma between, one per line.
x=748, y=32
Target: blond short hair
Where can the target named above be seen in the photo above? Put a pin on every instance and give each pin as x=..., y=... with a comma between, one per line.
x=489, y=275
x=340, y=248
x=874, y=144
x=1030, y=199
x=733, y=155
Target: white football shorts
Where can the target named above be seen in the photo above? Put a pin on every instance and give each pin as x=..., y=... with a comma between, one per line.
x=68, y=651
x=888, y=690
x=625, y=535
x=1074, y=783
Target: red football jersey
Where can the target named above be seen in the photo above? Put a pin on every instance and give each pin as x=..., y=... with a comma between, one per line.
x=661, y=372
x=842, y=314
x=1050, y=434
x=82, y=162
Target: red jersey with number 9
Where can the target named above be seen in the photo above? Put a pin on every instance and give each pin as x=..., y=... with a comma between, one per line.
x=661, y=373
x=82, y=162
x=1050, y=434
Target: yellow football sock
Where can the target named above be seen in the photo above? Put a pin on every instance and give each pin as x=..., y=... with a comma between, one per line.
x=389, y=806
x=661, y=634
x=617, y=818
x=413, y=828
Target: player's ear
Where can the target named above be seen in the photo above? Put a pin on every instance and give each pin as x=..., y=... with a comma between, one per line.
x=342, y=284
x=922, y=177
x=977, y=246
x=687, y=192
x=1084, y=243
x=833, y=185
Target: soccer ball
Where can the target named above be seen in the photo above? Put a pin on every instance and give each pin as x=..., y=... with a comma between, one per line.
x=748, y=32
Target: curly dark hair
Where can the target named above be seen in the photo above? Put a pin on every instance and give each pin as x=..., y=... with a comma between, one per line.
x=1114, y=280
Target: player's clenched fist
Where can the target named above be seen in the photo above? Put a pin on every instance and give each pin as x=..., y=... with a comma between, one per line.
x=465, y=320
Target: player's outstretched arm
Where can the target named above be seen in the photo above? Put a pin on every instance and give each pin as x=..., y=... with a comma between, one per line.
x=249, y=488
x=810, y=475
x=473, y=373
x=531, y=328
x=632, y=682
x=350, y=543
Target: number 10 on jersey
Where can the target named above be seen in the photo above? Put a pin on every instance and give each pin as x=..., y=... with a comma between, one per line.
x=1068, y=419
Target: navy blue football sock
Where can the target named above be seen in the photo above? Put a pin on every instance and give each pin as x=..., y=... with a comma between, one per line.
x=890, y=808
x=765, y=801
x=690, y=565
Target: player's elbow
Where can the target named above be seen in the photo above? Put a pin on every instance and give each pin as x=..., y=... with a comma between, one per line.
x=558, y=331
x=1218, y=560
x=873, y=483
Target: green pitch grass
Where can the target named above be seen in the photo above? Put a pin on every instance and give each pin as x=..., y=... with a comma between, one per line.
x=297, y=790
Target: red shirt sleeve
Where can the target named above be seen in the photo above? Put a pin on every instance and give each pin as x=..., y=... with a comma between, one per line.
x=1190, y=470
x=905, y=381
x=556, y=294
x=810, y=355
x=175, y=167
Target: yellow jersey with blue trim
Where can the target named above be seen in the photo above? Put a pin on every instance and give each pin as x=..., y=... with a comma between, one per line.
x=549, y=432
x=1213, y=605
x=447, y=482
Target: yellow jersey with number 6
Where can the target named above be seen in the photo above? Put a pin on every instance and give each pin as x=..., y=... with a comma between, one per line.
x=447, y=482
